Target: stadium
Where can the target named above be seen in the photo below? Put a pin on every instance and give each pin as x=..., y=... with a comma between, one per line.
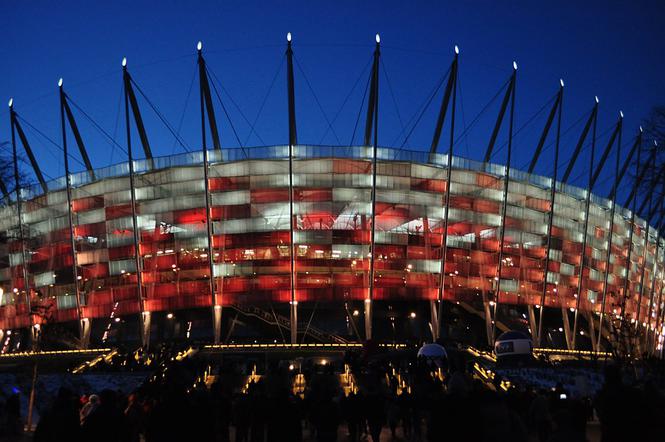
x=302, y=243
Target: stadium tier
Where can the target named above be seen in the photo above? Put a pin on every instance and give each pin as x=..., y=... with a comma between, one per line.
x=329, y=193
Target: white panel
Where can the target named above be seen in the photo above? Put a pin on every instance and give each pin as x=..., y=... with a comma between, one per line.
x=313, y=166
x=509, y=285
x=65, y=301
x=103, y=187
x=252, y=225
x=345, y=194
x=121, y=197
x=113, y=240
x=230, y=169
x=90, y=216
x=567, y=269
x=312, y=237
x=391, y=238
x=15, y=259
x=556, y=255
x=231, y=198
x=49, y=225
x=269, y=181
x=427, y=172
x=44, y=279
x=426, y=265
x=92, y=256
x=346, y=251
x=117, y=267
x=274, y=209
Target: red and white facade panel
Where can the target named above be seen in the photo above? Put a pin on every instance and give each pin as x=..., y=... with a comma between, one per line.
x=332, y=221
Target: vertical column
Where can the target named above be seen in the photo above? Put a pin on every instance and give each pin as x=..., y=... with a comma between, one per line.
x=550, y=220
x=446, y=206
x=84, y=326
x=216, y=304
x=647, y=326
x=592, y=330
x=293, y=141
x=566, y=328
x=659, y=315
x=34, y=335
x=532, y=322
x=626, y=281
x=580, y=279
x=645, y=254
x=293, y=304
x=506, y=184
x=372, y=248
x=372, y=121
x=613, y=198
x=145, y=317
x=434, y=317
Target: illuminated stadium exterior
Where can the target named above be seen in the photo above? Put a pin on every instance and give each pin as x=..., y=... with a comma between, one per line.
x=333, y=238
x=332, y=186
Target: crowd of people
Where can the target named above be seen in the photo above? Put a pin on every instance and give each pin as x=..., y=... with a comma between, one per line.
x=177, y=404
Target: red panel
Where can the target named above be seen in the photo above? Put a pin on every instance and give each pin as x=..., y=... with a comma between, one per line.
x=87, y=203
x=119, y=211
x=229, y=183
x=269, y=195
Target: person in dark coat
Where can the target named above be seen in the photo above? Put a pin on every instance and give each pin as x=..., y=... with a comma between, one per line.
x=61, y=421
x=107, y=422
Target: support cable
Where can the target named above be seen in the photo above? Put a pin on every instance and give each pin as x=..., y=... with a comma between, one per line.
x=461, y=102
x=226, y=113
x=526, y=124
x=482, y=111
x=212, y=75
x=360, y=111
x=263, y=103
x=563, y=133
x=184, y=110
x=423, y=108
x=302, y=71
x=47, y=138
x=392, y=94
x=346, y=99
x=161, y=116
x=101, y=130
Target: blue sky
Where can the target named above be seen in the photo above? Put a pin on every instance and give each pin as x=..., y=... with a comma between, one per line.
x=611, y=49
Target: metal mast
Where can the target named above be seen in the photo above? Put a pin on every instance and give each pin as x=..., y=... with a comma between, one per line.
x=84, y=326
x=451, y=88
x=293, y=141
x=128, y=93
x=206, y=104
x=550, y=218
x=372, y=122
x=24, y=263
x=613, y=197
x=610, y=237
x=587, y=203
x=506, y=184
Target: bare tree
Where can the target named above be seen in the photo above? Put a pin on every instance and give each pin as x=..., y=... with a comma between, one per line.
x=652, y=167
x=6, y=171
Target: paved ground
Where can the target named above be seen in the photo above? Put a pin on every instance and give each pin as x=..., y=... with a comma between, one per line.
x=593, y=435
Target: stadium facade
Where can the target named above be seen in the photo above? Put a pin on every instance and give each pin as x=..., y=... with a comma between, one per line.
x=325, y=241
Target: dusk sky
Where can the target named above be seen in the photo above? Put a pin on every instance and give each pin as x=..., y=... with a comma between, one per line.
x=611, y=49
